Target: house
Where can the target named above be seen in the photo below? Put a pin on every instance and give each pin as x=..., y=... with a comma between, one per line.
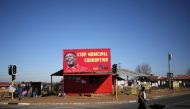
x=181, y=81
x=4, y=86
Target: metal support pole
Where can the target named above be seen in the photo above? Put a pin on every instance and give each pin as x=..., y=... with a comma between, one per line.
x=12, y=89
x=169, y=65
x=51, y=85
x=169, y=75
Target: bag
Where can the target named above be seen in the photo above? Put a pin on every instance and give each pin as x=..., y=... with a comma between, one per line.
x=24, y=93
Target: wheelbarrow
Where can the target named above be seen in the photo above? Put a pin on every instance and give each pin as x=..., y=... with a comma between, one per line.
x=156, y=106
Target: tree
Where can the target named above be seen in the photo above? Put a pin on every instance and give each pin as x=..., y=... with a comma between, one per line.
x=144, y=68
x=188, y=71
x=138, y=69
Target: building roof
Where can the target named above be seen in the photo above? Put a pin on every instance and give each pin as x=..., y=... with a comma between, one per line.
x=58, y=73
x=162, y=78
x=120, y=72
x=126, y=72
x=181, y=77
x=177, y=77
x=119, y=78
x=2, y=84
x=153, y=78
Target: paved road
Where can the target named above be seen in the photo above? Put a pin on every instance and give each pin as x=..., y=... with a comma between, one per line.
x=178, y=102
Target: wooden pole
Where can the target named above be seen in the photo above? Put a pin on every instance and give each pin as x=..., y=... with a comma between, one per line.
x=116, y=89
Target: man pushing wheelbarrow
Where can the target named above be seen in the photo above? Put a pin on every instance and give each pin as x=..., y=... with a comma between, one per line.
x=143, y=104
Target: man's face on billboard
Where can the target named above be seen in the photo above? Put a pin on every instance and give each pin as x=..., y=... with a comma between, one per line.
x=70, y=59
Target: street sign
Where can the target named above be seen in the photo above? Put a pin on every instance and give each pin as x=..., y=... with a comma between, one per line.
x=169, y=75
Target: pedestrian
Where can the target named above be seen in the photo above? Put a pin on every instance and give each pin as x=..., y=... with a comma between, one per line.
x=35, y=92
x=11, y=90
x=19, y=91
x=142, y=98
x=30, y=91
x=27, y=89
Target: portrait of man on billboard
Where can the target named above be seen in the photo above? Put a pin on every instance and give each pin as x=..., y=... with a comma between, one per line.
x=72, y=65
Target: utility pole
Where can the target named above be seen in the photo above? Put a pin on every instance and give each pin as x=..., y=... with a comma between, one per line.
x=119, y=66
x=169, y=73
x=169, y=60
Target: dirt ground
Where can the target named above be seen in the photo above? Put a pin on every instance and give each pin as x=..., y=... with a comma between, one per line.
x=96, y=97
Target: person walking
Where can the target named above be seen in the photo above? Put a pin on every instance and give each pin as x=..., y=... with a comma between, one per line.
x=30, y=91
x=19, y=91
x=34, y=93
x=27, y=89
x=142, y=98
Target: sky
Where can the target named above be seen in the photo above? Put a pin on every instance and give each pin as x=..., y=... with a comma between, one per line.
x=34, y=33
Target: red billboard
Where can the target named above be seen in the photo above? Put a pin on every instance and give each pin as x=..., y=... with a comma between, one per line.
x=86, y=60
